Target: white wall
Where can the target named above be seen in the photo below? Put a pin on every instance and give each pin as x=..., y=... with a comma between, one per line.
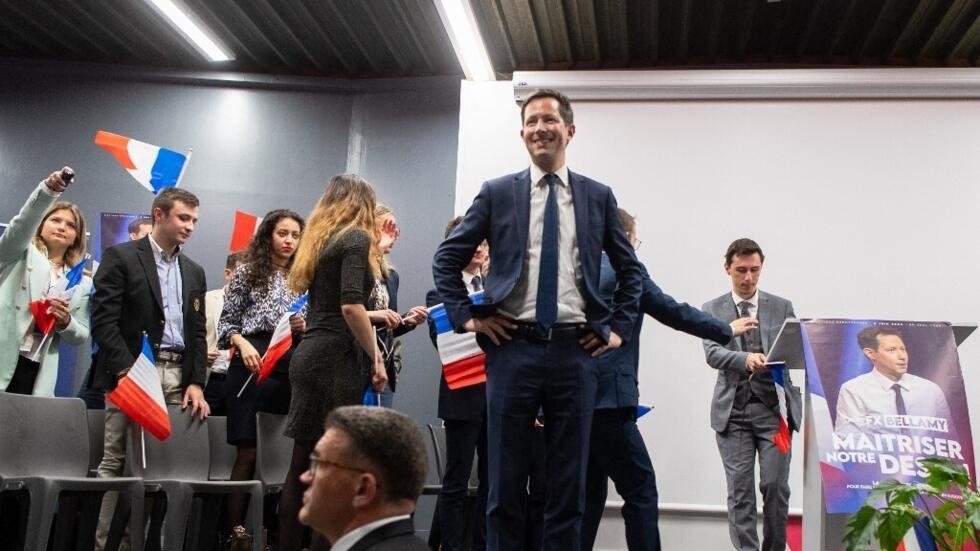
x=864, y=208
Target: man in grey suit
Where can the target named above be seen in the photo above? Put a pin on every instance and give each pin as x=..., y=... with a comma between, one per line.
x=745, y=407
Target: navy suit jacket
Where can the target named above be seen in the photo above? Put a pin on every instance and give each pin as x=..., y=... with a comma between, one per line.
x=468, y=403
x=500, y=213
x=618, y=368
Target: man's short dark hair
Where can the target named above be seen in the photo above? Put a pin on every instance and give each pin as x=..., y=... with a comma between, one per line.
x=629, y=222
x=134, y=226
x=868, y=337
x=168, y=196
x=743, y=247
x=388, y=441
x=452, y=225
x=564, y=105
x=234, y=259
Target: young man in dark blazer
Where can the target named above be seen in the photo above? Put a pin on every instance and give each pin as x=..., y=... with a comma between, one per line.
x=148, y=286
x=618, y=451
x=543, y=321
x=464, y=414
x=745, y=406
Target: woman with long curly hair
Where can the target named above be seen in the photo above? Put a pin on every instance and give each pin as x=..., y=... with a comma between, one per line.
x=257, y=296
x=338, y=262
x=38, y=248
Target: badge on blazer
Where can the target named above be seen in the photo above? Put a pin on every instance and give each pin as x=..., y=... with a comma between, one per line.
x=197, y=304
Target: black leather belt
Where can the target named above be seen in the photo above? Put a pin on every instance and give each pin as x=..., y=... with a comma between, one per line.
x=169, y=356
x=217, y=375
x=530, y=331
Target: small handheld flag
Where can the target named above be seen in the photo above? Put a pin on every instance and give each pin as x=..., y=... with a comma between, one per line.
x=282, y=340
x=371, y=398
x=139, y=395
x=63, y=289
x=782, y=437
x=241, y=233
x=154, y=167
x=463, y=361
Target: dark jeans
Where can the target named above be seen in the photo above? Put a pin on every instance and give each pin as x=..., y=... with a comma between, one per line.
x=617, y=451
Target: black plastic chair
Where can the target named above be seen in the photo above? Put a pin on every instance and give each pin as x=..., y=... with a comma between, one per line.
x=178, y=468
x=44, y=450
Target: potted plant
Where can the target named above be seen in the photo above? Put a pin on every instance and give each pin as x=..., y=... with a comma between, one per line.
x=952, y=519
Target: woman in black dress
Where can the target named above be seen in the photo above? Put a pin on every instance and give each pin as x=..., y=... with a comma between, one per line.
x=337, y=262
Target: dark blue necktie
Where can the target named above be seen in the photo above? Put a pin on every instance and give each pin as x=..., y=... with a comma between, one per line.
x=476, y=283
x=547, y=301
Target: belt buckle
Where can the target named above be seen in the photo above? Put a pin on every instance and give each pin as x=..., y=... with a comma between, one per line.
x=536, y=335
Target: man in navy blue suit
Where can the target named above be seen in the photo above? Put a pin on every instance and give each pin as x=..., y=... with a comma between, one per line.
x=617, y=449
x=543, y=321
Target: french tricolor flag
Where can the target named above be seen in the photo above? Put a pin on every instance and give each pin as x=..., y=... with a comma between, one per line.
x=153, y=166
x=245, y=227
x=782, y=437
x=139, y=395
x=63, y=288
x=462, y=359
x=282, y=338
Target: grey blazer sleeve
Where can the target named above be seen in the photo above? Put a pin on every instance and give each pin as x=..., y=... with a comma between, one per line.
x=723, y=357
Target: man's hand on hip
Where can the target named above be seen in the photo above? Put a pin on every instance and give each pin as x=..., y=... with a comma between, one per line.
x=594, y=344
x=494, y=327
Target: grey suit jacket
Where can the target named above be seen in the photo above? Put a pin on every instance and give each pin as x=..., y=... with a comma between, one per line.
x=729, y=359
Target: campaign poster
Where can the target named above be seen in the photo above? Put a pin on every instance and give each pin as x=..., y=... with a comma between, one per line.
x=117, y=227
x=884, y=394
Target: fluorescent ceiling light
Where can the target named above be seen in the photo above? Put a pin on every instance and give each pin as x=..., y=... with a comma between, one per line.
x=465, y=36
x=191, y=30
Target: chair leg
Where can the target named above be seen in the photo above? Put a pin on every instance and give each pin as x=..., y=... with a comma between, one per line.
x=255, y=518
x=39, y=517
x=137, y=499
x=175, y=519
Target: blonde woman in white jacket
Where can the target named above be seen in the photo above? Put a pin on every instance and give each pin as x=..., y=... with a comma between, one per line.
x=39, y=246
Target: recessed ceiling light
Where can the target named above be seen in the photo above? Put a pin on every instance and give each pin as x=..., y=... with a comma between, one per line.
x=465, y=37
x=193, y=31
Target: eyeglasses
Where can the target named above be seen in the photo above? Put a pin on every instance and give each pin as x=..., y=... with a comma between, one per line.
x=317, y=461
x=636, y=247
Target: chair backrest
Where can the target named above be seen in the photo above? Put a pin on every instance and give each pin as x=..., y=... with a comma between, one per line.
x=438, y=434
x=43, y=436
x=222, y=453
x=96, y=438
x=185, y=455
x=273, y=449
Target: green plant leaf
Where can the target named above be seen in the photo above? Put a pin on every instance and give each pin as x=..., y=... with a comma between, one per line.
x=943, y=473
x=861, y=528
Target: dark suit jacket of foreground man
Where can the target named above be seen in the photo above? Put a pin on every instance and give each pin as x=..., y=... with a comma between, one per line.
x=396, y=536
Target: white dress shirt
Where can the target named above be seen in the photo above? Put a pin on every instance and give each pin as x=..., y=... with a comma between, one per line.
x=867, y=403
x=521, y=304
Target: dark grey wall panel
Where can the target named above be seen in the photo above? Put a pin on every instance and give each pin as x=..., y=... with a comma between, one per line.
x=254, y=150
x=405, y=144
